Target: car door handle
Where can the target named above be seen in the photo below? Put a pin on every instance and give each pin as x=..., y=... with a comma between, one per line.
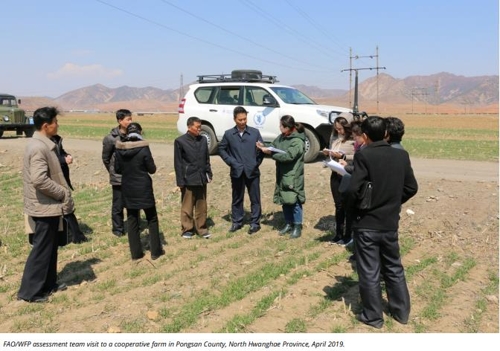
x=212, y=110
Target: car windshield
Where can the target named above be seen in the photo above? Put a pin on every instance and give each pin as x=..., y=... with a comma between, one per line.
x=8, y=101
x=292, y=96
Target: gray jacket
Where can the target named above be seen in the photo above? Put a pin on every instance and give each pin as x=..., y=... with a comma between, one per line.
x=46, y=192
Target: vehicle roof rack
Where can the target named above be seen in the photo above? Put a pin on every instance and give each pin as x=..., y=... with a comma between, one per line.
x=215, y=78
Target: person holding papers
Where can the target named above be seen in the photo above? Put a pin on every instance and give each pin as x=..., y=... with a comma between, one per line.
x=238, y=150
x=288, y=151
x=341, y=148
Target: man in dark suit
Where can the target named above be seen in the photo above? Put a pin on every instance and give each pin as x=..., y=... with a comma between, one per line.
x=192, y=173
x=376, y=229
x=237, y=149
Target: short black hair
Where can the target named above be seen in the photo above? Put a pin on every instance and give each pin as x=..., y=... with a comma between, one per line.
x=356, y=128
x=44, y=115
x=239, y=109
x=374, y=128
x=193, y=120
x=122, y=113
x=134, y=127
x=395, y=129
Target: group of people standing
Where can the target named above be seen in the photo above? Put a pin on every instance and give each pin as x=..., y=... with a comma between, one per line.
x=362, y=147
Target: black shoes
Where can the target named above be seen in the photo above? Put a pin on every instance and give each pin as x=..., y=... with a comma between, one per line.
x=296, y=231
x=80, y=239
x=234, y=228
x=118, y=234
x=157, y=256
x=37, y=299
x=287, y=228
x=59, y=287
x=138, y=257
x=253, y=229
x=377, y=324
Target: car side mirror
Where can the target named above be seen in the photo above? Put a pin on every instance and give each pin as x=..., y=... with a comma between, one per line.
x=331, y=116
x=268, y=100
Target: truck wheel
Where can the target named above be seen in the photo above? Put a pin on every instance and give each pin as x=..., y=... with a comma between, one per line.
x=208, y=133
x=312, y=146
x=29, y=132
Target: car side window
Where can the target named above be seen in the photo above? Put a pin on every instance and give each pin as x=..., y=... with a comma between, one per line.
x=205, y=95
x=228, y=96
x=254, y=96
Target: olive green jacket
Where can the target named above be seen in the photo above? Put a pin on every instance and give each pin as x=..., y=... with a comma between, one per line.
x=289, y=169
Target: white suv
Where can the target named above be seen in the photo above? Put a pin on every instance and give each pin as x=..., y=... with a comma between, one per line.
x=214, y=98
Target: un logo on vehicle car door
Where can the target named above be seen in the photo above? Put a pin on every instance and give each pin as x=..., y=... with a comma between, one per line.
x=259, y=119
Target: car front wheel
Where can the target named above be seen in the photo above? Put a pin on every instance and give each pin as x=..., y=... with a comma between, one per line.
x=311, y=147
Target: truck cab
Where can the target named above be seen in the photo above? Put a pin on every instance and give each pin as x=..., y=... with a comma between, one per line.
x=13, y=118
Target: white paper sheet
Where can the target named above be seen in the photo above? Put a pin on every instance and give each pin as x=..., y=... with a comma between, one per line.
x=335, y=166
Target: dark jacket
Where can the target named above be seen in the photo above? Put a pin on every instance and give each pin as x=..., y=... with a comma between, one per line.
x=191, y=161
x=289, y=169
x=108, y=154
x=61, y=155
x=240, y=152
x=394, y=183
x=135, y=163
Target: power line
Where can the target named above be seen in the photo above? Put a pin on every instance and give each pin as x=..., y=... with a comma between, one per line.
x=316, y=25
x=199, y=39
x=282, y=25
x=237, y=35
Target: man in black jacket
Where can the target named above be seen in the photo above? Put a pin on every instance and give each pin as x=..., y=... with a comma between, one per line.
x=124, y=118
x=65, y=160
x=237, y=149
x=192, y=173
x=376, y=229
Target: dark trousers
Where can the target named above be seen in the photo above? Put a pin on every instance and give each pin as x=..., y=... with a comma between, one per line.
x=134, y=233
x=40, y=271
x=194, y=198
x=341, y=214
x=253, y=186
x=376, y=251
x=117, y=210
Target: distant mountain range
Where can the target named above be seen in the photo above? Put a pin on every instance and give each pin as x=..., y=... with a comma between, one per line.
x=436, y=89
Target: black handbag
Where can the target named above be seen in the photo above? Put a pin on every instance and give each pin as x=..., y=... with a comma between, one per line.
x=365, y=200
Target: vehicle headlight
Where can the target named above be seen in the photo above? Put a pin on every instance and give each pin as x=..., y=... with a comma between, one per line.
x=5, y=118
x=323, y=113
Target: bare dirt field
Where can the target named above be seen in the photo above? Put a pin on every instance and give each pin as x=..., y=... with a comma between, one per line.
x=455, y=221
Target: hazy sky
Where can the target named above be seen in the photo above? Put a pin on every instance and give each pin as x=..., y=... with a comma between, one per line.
x=51, y=47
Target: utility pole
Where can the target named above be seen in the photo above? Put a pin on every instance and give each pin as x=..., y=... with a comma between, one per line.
x=376, y=56
x=350, y=75
x=355, y=107
x=181, y=88
x=419, y=92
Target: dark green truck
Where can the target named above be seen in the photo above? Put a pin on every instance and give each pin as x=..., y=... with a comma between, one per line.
x=14, y=118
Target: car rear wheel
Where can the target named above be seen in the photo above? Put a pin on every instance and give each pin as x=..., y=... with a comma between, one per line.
x=208, y=133
x=29, y=132
x=311, y=147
